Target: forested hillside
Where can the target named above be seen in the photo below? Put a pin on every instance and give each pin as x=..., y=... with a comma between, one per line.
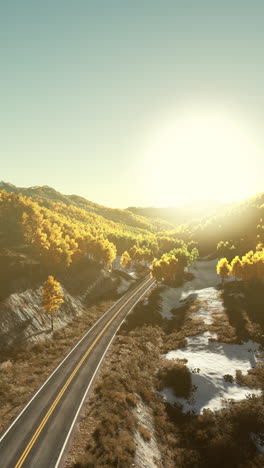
x=240, y=226
x=59, y=230
x=45, y=195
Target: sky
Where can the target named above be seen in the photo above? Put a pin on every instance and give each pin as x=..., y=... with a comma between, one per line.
x=133, y=103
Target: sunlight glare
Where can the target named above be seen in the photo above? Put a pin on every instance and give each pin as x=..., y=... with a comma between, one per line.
x=199, y=156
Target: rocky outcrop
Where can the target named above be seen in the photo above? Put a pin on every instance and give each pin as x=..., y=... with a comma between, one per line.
x=22, y=318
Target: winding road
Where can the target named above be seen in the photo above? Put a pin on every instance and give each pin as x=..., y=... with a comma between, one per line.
x=37, y=438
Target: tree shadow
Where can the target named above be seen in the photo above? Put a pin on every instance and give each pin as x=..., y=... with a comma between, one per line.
x=254, y=303
x=179, y=314
x=233, y=305
x=145, y=313
x=239, y=298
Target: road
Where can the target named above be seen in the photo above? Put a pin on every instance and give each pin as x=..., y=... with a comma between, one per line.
x=38, y=436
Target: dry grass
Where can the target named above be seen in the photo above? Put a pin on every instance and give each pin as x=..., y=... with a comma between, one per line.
x=253, y=379
x=145, y=434
x=188, y=326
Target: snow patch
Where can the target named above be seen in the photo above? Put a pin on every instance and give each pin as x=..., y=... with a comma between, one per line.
x=133, y=274
x=213, y=304
x=204, y=280
x=170, y=299
x=211, y=361
x=124, y=285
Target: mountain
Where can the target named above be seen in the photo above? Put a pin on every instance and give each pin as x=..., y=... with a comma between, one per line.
x=45, y=194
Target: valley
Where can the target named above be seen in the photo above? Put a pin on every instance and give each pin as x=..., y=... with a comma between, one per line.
x=191, y=349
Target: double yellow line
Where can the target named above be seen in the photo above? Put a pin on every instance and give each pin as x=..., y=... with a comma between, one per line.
x=64, y=388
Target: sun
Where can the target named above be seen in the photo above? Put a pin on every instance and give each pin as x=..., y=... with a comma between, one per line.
x=199, y=156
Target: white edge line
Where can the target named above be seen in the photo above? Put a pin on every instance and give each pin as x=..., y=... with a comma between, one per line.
x=92, y=378
x=57, y=368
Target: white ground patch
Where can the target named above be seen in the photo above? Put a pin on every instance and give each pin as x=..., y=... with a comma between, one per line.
x=213, y=304
x=147, y=453
x=205, y=276
x=214, y=360
x=169, y=300
x=133, y=274
x=124, y=285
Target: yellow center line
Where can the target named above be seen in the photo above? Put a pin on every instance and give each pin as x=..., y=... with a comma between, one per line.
x=64, y=388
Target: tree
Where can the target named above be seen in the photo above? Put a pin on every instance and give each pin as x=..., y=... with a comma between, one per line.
x=155, y=270
x=236, y=267
x=52, y=297
x=103, y=251
x=165, y=269
x=125, y=260
x=223, y=269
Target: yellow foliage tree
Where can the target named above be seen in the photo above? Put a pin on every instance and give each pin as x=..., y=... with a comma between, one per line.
x=250, y=267
x=125, y=260
x=223, y=269
x=236, y=267
x=155, y=270
x=52, y=297
x=166, y=268
x=253, y=265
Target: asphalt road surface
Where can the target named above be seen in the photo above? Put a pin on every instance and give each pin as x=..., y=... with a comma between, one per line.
x=38, y=436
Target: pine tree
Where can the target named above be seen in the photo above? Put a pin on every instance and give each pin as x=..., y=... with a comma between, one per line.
x=52, y=297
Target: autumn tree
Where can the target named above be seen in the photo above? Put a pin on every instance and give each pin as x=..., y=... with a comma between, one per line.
x=223, y=269
x=226, y=249
x=125, y=260
x=52, y=297
x=155, y=270
x=253, y=266
x=165, y=269
x=103, y=251
x=236, y=267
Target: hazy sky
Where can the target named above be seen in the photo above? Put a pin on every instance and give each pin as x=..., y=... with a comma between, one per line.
x=133, y=102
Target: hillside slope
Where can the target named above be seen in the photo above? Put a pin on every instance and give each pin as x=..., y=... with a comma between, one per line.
x=45, y=195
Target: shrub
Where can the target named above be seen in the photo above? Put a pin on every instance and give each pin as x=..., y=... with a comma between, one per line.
x=229, y=378
x=175, y=374
x=145, y=434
